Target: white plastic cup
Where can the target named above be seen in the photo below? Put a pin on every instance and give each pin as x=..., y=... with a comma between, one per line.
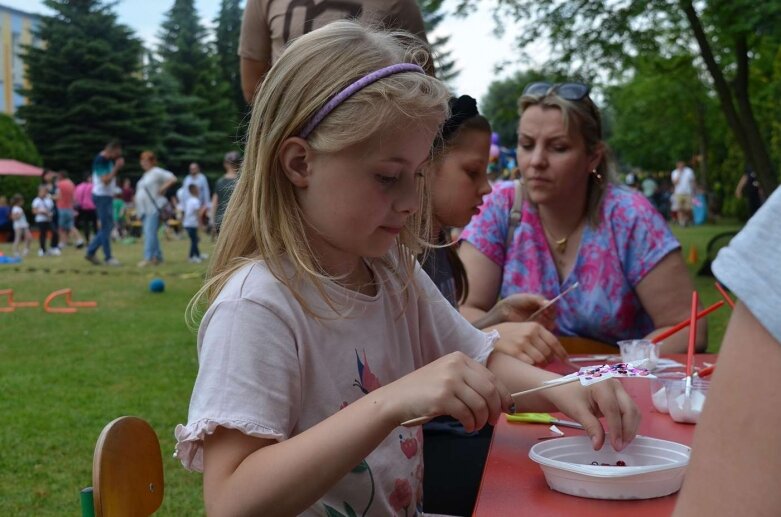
x=685, y=409
x=659, y=389
x=633, y=350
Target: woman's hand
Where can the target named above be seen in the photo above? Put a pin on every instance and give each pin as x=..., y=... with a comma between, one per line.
x=607, y=398
x=530, y=342
x=453, y=385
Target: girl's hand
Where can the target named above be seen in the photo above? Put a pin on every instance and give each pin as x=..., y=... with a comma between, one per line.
x=530, y=342
x=606, y=398
x=453, y=385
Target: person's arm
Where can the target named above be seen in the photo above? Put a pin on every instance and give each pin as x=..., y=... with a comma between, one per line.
x=665, y=293
x=213, y=214
x=252, y=74
x=484, y=277
x=736, y=454
x=253, y=476
x=584, y=404
x=740, y=187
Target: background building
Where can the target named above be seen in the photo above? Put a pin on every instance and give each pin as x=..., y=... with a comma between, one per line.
x=15, y=30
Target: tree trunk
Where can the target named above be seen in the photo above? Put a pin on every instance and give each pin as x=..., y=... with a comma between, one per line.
x=743, y=124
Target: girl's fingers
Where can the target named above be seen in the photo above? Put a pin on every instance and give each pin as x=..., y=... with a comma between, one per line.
x=630, y=417
x=495, y=396
x=604, y=394
x=532, y=349
x=555, y=345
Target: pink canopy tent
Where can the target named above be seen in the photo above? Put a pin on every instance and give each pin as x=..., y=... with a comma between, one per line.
x=17, y=168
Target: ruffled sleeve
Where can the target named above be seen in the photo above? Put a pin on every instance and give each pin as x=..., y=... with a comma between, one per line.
x=248, y=378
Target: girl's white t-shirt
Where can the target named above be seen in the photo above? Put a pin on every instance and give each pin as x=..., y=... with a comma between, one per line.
x=20, y=223
x=270, y=370
x=43, y=204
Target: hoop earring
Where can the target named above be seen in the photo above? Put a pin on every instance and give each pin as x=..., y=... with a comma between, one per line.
x=597, y=176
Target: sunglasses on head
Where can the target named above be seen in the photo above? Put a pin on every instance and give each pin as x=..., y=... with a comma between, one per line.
x=567, y=91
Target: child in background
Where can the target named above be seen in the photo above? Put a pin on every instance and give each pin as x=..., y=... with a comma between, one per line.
x=21, y=226
x=322, y=334
x=119, y=209
x=459, y=180
x=193, y=212
x=43, y=208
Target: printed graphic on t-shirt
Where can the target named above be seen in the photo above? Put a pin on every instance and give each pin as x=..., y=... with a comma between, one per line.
x=312, y=10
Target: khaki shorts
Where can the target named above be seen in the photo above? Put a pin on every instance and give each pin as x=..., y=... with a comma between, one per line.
x=682, y=202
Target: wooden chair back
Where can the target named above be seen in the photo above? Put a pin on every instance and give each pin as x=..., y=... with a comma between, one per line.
x=127, y=469
x=584, y=345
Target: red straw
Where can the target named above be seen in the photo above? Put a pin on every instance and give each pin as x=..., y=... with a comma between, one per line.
x=725, y=295
x=685, y=323
x=692, y=335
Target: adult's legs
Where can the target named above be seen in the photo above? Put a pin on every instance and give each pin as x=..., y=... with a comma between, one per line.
x=106, y=220
x=150, y=224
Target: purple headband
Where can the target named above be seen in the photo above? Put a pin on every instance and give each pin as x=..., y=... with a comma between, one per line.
x=350, y=90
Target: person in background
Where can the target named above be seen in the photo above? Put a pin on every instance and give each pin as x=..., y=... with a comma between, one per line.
x=458, y=177
x=736, y=457
x=128, y=194
x=224, y=188
x=69, y=234
x=6, y=223
x=86, y=216
x=105, y=168
x=650, y=190
x=21, y=227
x=193, y=212
x=574, y=223
x=43, y=209
x=322, y=335
x=268, y=26
x=749, y=188
x=50, y=178
x=684, y=183
x=150, y=202
x=197, y=178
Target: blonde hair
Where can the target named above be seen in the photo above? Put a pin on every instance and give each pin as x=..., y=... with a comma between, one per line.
x=587, y=121
x=263, y=220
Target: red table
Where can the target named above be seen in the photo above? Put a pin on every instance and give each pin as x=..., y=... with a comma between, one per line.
x=512, y=484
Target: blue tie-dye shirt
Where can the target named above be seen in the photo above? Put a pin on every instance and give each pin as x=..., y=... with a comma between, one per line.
x=631, y=239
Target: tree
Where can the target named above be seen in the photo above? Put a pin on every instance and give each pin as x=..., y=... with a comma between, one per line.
x=606, y=35
x=182, y=46
x=500, y=104
x=443, y=60
x=15, y=144
x=182, y=130
x=85, y=85
x=226, y=45
x=190, y=80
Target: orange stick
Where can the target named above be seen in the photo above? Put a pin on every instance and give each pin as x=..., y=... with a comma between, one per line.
x=685, y=323
x=725, y=295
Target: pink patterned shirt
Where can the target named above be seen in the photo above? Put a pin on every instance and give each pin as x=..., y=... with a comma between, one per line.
x=631, y=239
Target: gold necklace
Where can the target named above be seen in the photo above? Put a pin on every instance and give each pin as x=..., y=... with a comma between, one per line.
x=560, y=245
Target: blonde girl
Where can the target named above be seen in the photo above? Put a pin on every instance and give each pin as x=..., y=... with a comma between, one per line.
x=321, y=335
x=21, y=226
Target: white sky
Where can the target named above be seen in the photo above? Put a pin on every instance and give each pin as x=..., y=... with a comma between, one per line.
x=474, y=47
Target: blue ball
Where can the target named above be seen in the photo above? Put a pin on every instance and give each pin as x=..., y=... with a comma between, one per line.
x=157, y=285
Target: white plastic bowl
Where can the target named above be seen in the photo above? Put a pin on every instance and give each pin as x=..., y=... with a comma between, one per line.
x=654, y=468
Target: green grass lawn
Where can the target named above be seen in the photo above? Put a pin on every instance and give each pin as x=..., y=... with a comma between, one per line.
x=64, y=376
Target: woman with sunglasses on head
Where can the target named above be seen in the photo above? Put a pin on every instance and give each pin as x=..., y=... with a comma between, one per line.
x=574, y=223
